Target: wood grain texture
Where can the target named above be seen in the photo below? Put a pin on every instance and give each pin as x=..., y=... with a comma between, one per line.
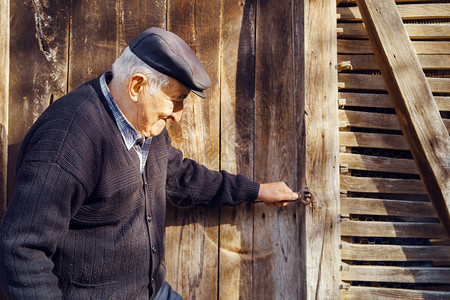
x=382, y=207
x=92, y=52
x=4, y=102
x=135, y=16
x=276, y=254
x=38, y=70
x=394, y=253
x=237, y=89
x=320, y=235
x=373, y=140
x=396, y=274
x=414, y=31
x=364, y=47
x=377, y=163
x=376, y=82
x=419, y=116
x=392, y=229
x=407, y=11
x=382, y=185
x=384, y=101
x=368, y=61
x=192, y=236
x=356, y=293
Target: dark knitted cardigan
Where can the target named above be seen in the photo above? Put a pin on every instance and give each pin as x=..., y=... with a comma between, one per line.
x=84, y=223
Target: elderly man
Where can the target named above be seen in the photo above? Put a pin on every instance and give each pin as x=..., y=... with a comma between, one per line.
x=94, y=173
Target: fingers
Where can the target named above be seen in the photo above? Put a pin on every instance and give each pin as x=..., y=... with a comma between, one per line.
x=276, y=194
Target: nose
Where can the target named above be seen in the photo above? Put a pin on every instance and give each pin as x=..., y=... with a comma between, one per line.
x=176, y=115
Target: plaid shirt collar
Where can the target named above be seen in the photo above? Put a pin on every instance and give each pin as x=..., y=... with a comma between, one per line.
x=130, y=135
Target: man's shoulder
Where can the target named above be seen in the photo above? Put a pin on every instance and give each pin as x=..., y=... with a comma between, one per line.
x=74, y=120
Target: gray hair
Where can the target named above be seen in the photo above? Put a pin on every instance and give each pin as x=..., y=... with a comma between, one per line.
x=129, y=64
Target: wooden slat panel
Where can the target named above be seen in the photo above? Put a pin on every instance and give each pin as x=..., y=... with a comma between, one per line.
x=382, y=185
x=420, y=119
x=4, y=102
x=377, y=163
x=382, y=207
x=392, y=229
x=237, y=135
x=375, y=82
x=368, y=62
x=414, y=31
x=394, y=252
x=407, y=12
x=274, y=271
x=384, y=100
x=193, y=238
x=38, y=70
x=357, y=293
x=364, y=47
x=373, y=120
x=396, y=274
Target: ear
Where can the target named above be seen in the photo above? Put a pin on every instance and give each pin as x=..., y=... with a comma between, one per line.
x=136, y=86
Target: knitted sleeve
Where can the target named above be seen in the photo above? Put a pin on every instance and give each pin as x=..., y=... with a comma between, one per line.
x=190, y=184
x=37, y=217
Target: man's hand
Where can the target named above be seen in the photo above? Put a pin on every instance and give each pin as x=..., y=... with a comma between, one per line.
x=276, y=194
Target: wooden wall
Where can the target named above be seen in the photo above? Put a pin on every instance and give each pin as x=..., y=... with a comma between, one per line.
x=266, y=75
x=393, y=246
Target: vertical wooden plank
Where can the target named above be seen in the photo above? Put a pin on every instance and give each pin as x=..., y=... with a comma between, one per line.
x=320, y=231
x=4, y=95
x=92, y=51
x=192, y=235
x=38, y=71
x=237, y=133
x=276, y=273
x=136, y=16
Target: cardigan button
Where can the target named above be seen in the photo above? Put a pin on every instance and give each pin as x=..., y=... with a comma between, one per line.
x=149, y=219
x=153, y=249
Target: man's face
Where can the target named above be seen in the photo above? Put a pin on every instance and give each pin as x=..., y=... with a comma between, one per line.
x=154, y=110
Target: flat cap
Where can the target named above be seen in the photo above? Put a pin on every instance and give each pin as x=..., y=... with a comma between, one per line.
x=167, y=53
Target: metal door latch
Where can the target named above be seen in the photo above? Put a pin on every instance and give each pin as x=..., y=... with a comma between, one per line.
x=305, y=196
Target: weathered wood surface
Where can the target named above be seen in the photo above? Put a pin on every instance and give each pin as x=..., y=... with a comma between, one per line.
x=277, y=249
x=392, y=229
x=414, y=31
x=394, y=252
x=384, y=101
x=237, y=85
x=373, y=140
x=38, y=67
x=368, y=61
x=382, y=207
x=407, y=12
x=4, y=95
x=193, y=235
x=396, y=274
x=357, y=293
x=376, y=82
x=320, y=235
x=382, y=185
x=377, y=163
x=359, y=119
x=92, y=51
x=364, y=47
x=418, y=113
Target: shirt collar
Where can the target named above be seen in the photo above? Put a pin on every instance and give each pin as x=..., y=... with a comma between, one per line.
x=129, y=134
